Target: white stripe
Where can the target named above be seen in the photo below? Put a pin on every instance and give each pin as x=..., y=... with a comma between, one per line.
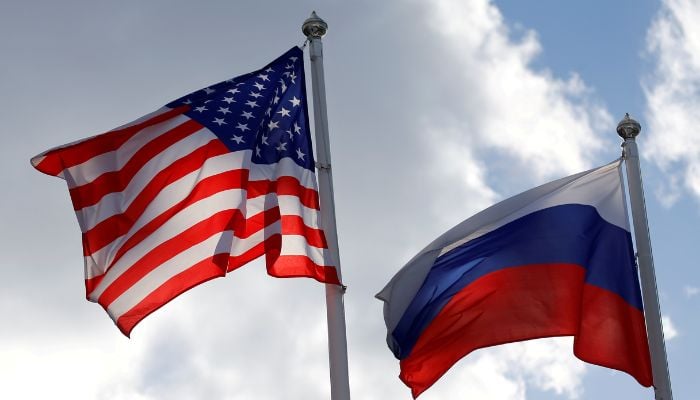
x=292, y=205
x=183, y=220
x=296, y=245
x=218, y=243
x=600, y=188
x=179, y=190
x=285, y=167
x=115, y=160
x=171, y=194
x=118, y=202
x=288, y=204
x=36, y=160
x=168, y=197
x=291, y=244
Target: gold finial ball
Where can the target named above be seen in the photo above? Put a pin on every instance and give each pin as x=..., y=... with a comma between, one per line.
x=628, y=128
x=314, y=27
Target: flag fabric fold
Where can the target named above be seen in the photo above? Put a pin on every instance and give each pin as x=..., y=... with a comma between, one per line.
x=198, y=188
x=556, y=260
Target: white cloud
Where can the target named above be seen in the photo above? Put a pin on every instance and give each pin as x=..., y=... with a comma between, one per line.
x=691, y=291
x=673, y=96
x=531, y=118
x=670, y=330
x=505, y=372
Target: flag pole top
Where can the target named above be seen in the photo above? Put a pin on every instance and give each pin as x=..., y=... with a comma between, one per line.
x=314, y=27
x=628, y=128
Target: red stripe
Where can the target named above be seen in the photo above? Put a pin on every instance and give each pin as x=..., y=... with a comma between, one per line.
x=91, y=284
x=285, y=266
x=201, y=272
x=219, y=222
x=290, y=225
x=116, y=181
x=294, y=225
x=117, y=225
x=238, y=261
x=55, y=161
x=505, y=306
x=257, y=222
x=302, y=266
x=521, y=303
x=613, y=335
x=285, y=185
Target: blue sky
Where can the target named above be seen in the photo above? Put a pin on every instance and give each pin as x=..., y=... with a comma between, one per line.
x=437, y=110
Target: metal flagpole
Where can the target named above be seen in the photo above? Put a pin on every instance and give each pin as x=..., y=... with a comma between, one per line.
x=314, y=28
x=628, y=129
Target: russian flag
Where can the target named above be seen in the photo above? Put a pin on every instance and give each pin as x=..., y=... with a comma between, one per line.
x=556, y=260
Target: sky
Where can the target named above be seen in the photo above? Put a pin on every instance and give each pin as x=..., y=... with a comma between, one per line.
x=436, y=111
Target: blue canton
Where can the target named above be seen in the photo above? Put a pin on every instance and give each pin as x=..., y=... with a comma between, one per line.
x=264, y=111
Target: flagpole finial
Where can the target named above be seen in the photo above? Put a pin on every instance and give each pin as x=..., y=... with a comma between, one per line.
x=628, y=128
x=314, y=27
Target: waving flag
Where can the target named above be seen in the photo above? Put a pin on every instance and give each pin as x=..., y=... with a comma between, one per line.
x=555, y=260
x=198, y=188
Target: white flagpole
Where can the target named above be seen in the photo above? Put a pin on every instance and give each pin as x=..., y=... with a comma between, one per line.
x=628, y=129
x=314, y=28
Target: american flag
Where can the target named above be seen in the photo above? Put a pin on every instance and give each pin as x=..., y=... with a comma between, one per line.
x=211, y=181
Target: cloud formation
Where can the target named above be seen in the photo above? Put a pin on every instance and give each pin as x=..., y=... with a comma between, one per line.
x=544, y=123
x=673, y=97
x=670, y=330
x=691, y=291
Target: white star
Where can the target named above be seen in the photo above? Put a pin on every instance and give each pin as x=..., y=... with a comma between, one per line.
x=284, y=86
x=291, y=135
x=229, y=100
x=284, y=112
x=188, y=101
x=295, y=102
x=209, y=90
x=293, y=76
x=254, y=94
x=238, y=139
x=300, y=155
x=242, y=127
x=269, y=110
x=270, y=70
x=200, y=109
x=247, y=115
x=297, y=128
x=290, y=66
x=224, y=110
x=233, y=91
x=272, y=125
x=251, y=104
x=263, y=77
x=275, y=100
x=294, y=59
x=219, y=121
x=259, y=86
x=264, y=140
x=282, y=146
